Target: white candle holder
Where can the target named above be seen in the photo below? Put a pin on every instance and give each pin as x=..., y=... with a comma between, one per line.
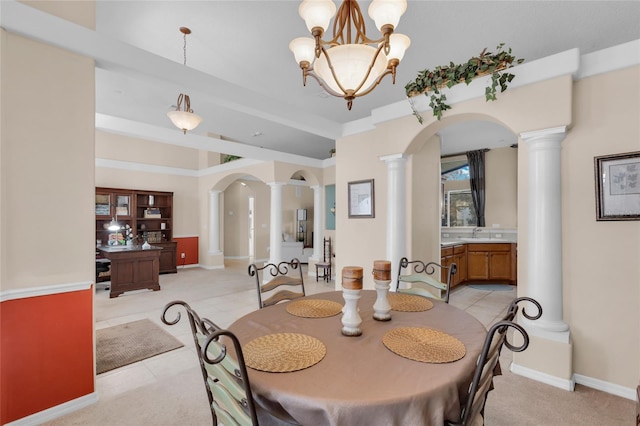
x=350, y=316
x=382, y=308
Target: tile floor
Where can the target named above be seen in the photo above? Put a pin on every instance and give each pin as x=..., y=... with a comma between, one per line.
x=167, y=388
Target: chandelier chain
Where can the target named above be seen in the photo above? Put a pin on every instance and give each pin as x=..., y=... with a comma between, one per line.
x=185, y=48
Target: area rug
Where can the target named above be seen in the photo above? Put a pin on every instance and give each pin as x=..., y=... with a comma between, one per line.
x=492, y=287
x=125, y=344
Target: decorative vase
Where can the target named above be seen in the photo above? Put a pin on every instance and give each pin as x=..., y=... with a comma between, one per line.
x=382, y=278
x=351, y=287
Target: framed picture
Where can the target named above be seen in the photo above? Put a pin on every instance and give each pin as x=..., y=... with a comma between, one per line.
x=361, y=199
x=618, y=186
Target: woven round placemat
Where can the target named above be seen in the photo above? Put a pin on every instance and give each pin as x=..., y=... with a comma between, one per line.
x=314, y=308
x=283, y=352
x=408, y=302
x=424, y=344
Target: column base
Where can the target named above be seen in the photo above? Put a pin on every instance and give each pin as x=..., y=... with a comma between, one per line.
x=546, y=360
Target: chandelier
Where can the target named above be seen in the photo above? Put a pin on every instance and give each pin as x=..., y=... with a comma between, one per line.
x=183, y=117
x=351, y=64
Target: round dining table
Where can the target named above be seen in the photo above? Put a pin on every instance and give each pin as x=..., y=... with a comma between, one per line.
x=359, y=381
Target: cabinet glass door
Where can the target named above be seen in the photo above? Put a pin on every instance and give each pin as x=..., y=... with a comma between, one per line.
x=103, y=205
x=123, y=203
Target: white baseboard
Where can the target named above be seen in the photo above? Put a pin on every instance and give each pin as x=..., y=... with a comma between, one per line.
x=590, y=382
x=607, y=387
x=538, y=376
x=57, y=411
x=191, y=265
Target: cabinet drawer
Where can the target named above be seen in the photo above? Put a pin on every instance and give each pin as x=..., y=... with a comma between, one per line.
x=446, y=251
x=459, y=249
x=489, y=247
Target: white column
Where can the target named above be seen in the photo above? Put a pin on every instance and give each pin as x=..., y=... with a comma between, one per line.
x=214, y=222
x=396, y=210
x=318, y=214
x=545, y=229
x=275, y=229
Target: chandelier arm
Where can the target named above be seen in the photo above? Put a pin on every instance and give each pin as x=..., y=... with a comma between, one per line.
x=179, y=103
x=375, y=83
x=349, y=15
x=311, y=73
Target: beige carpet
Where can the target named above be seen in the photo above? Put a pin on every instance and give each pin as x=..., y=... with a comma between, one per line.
x=125, y=344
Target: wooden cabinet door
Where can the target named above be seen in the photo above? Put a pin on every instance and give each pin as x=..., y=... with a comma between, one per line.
x=500, y=265
x=478, y=265
x=461, y=263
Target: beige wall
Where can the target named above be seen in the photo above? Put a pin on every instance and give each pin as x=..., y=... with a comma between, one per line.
x=501, y=203
x=424, y=235
x=110, y=146
x=47, y=164
x=600, y=259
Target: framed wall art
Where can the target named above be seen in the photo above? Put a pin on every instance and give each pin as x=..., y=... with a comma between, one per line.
x=618, y=186
x=361, y=199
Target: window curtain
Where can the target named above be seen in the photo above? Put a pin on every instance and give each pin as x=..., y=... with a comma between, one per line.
x=477, y=181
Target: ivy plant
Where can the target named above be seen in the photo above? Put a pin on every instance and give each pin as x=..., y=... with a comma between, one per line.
x=430, y=82
x=229, y=157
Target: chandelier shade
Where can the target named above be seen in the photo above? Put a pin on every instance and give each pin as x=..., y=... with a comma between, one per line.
x=317, y=13
x=352, y=72
x=387, y=12
x=350, y=64
x=184, y=119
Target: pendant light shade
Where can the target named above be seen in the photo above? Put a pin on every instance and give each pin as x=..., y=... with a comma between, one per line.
x=184, y=118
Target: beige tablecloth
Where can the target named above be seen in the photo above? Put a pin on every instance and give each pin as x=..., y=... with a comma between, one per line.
x=360, y=381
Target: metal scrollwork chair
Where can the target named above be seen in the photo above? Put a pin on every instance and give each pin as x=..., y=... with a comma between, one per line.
x=512, y=310
x=473, y=411
x=225, y=379
x=424, y=278
x=282, y=274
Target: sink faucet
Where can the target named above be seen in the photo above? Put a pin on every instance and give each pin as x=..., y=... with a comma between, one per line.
x=475, y=232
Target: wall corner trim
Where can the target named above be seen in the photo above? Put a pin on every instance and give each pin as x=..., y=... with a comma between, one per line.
x=57, y=411
x=23, y=293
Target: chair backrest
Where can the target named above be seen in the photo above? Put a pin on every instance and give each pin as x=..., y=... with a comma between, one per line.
x=274, y=277
x=424, y=278
x=482, y=382
x=326, y=253
x=512, y=311
x=225, y=378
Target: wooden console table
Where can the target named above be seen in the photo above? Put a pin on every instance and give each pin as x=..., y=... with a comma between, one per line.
x=133, y=268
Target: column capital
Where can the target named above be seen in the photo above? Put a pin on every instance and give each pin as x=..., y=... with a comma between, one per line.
x=553, y=133
x=391, y=157
x=315, y=187
x=214, y=191
x=276, y=184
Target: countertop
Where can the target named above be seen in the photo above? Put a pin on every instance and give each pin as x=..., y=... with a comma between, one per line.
x=118, y=249
x=455, y=242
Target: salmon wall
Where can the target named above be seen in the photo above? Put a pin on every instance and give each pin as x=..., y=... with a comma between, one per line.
x=188, y=246
x=45, y=361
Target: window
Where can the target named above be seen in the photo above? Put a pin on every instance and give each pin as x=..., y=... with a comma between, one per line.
x=455, y=171
x=459, y=210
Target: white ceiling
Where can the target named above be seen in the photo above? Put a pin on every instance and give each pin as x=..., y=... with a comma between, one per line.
x=243, y=80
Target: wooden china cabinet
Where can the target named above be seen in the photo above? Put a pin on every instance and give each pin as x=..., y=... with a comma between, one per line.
x=149, y=215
